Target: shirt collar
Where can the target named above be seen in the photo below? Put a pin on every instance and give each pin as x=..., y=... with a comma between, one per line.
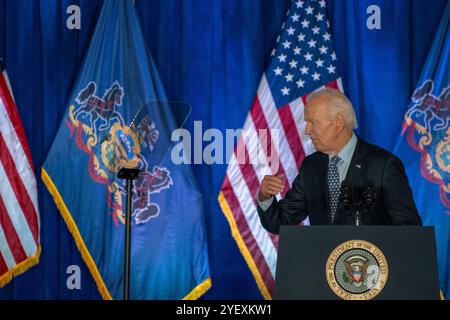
x=346, y=152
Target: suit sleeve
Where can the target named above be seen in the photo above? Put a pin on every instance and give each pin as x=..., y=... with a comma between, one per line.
x=289, y=211
x=397, y=194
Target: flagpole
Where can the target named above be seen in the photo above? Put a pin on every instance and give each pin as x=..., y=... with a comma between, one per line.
x=129, y=175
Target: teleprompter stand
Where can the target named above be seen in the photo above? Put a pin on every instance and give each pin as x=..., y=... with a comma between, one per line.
x=129, y=175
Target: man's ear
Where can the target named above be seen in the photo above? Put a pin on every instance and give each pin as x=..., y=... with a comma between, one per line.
x=340, y=122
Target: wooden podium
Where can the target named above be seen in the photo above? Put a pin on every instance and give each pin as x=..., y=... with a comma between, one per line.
x=356, y=263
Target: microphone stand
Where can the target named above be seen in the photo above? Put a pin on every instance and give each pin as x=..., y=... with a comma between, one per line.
x=354, y=210
x=129, y=175
x=358, y=214
x=365, y=203
x=356, y=207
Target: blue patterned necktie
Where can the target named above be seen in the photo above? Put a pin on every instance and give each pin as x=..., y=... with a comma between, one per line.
x=333, y=186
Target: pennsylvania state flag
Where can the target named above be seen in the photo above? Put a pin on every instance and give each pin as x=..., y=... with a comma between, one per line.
x=424, y=146
x=117, y=116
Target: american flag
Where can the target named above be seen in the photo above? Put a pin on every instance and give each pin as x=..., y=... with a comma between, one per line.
x=19, y=214
x=302, y=61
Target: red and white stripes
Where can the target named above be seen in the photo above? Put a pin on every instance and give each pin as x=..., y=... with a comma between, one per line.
x=288, y=144
x=19, y=214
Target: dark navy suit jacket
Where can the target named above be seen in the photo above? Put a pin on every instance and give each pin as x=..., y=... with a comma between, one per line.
x=394, y=204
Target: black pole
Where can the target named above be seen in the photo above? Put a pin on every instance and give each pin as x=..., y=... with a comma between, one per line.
x=357, y=217
x=126, y=286
x=129, y=175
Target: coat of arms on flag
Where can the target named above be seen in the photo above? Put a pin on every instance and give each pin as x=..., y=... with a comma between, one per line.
x=96, y=124
x=428, y=132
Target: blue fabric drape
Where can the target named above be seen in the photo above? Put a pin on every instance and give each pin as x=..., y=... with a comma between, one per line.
x=210, y=54
x=380, y=67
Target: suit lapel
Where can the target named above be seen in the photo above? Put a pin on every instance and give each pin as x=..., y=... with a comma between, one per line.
x=322, y=169
x=357, y=166
x=358, y=163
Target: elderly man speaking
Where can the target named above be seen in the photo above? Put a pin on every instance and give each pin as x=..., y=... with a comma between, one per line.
x=340, y=155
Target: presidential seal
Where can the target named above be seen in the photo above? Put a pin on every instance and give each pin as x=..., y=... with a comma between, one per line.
x=356, y=270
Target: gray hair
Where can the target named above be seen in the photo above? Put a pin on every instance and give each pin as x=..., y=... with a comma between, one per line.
x=339, y=104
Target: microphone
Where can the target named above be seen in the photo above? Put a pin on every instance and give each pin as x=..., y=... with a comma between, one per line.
x=369, y=194
x=346, y=194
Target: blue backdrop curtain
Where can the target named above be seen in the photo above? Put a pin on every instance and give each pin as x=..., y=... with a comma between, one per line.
x=210, y=54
